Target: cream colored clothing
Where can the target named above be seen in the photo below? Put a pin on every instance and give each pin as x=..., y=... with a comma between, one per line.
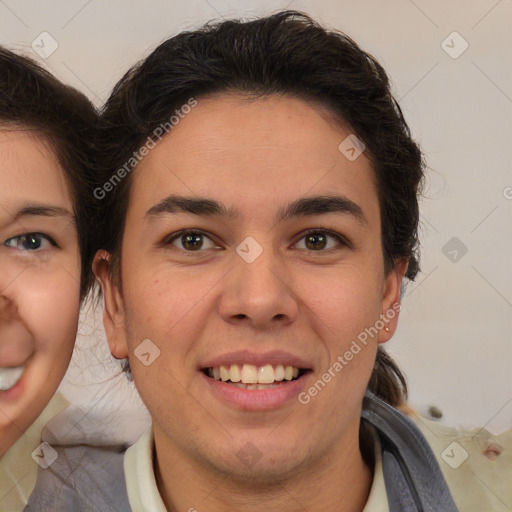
x=140, y=477
x=144, y=496
x=478, y=482
x=18, y=470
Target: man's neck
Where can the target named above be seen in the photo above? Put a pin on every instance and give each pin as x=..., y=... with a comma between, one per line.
x=339, y=481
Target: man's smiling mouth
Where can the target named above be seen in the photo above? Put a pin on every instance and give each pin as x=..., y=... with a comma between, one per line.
x=249, y=376
x=251, y=380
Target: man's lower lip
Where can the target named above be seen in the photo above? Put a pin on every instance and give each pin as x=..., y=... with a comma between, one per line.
x=256, y=399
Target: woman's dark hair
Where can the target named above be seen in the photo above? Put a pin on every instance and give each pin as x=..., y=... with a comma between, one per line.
x=286, y=53
x=32, y=99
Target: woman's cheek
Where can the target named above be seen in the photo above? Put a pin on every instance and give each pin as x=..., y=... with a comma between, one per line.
x=52, y=303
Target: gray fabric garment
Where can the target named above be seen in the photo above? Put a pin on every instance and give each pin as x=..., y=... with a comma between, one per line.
x=82, y=479
x=91, y=479
x=414, y=482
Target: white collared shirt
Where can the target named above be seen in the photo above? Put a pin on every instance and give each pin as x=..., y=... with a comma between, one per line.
x=143, y=491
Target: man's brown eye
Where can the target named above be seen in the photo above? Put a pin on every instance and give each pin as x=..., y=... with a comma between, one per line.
x=192, y=242
x=321, y=241
x=316, y=241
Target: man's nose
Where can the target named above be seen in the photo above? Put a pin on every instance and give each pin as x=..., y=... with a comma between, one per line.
x=259, y=293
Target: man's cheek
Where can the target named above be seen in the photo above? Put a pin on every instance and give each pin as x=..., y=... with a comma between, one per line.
x=161, y=313
x=160, y=390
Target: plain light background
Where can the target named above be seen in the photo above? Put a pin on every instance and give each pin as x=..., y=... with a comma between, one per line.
x=454, y=338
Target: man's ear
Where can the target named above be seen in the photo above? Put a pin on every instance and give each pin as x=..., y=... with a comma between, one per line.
x=113, y=314
x=391, y=297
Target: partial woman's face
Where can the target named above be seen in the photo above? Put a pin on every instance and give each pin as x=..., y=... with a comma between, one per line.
x=251, y=262
x=39, y=280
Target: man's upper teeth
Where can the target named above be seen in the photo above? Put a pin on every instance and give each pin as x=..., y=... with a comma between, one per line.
x=9, y=377
x=251, y=374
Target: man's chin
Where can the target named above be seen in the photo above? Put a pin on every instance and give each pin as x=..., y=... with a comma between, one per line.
x=258, y=466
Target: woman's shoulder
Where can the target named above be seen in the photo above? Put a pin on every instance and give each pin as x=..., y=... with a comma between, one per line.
x=18, y=469
x=82, y=477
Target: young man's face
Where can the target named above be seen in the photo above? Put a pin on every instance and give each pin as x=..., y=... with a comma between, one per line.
x=252, y=244
x=39, y=280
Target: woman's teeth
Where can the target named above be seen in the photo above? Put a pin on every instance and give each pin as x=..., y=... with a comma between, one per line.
x=9, y=377
x=249, y=376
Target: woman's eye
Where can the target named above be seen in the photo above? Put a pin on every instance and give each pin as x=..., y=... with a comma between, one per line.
x=320, y=240
x=191, y=241
x=31, y=242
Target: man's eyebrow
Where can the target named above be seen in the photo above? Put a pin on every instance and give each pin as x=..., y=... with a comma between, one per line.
x=319, y=205
x=302, y=207
x=196, y=205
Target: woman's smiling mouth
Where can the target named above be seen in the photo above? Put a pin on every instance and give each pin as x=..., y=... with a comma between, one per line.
x=9, y=377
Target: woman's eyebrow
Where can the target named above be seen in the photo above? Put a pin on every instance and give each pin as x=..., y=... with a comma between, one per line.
x=36, y=210
x=302, y=207
x=42, y=210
